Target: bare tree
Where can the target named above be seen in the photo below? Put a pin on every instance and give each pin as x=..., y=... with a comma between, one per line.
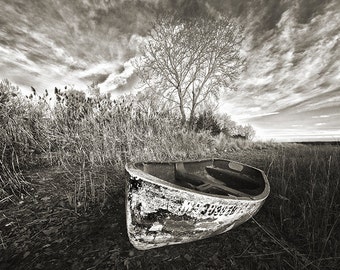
x=188, y=61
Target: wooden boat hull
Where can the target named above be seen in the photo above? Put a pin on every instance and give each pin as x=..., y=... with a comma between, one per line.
x=160, y=213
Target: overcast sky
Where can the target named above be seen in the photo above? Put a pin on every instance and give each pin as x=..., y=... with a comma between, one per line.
x=289, y=91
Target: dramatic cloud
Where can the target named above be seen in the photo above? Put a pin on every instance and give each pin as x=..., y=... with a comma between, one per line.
x=292, y=73
x=290, y=88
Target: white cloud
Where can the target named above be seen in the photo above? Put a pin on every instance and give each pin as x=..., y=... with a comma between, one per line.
x=98, y=68
x=115, y=80
x=320, y=116
x=296, y=65
x=135, y=41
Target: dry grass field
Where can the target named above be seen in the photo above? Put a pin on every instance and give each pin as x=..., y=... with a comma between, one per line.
x=62, y=190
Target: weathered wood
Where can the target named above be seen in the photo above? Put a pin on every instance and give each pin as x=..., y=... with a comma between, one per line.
x=231, y=178
x=163, y=212
x=202, y=183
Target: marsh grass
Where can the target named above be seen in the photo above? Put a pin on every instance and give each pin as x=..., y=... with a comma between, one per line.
x=84, y=135
x=82, y=132
x=71, y=130
x=304, y=204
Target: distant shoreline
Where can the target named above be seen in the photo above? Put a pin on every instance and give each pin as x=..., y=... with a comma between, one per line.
x=318, y=142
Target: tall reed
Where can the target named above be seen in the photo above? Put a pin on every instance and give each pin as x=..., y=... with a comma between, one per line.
x=73, y=130
x=305, y=200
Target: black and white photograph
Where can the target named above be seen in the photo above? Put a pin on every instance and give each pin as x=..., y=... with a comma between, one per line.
x=170, y=134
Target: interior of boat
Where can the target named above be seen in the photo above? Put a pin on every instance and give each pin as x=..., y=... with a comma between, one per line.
x=215, y=176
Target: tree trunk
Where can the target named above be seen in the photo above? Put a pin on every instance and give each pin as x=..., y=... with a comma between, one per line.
x=184, y=118
x=192, y=119
x=181, y=106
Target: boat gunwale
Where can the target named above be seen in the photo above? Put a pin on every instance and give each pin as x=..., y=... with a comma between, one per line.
x=132, y=169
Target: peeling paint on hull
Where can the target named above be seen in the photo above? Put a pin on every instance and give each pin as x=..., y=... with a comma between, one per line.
x=160, y=214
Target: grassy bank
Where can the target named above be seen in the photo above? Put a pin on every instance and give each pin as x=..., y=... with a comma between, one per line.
x=297, y=228
x=302, y=213
x=71, y=130
x=62, y=178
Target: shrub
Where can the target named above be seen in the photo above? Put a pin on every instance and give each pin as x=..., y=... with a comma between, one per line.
x=207, y=121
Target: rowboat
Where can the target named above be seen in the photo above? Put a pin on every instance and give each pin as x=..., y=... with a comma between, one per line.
x=171, y=203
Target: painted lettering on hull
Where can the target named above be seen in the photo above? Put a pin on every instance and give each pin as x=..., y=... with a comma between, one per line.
x=159, y=215
x=207, y=209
